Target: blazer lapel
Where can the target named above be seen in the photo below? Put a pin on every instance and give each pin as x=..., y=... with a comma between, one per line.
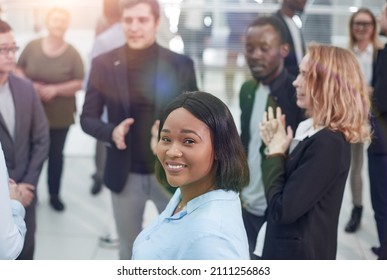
x=3, y=125
x=17, y=100
x=120, y=72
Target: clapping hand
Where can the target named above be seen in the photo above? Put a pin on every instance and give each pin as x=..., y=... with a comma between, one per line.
x=273, y=132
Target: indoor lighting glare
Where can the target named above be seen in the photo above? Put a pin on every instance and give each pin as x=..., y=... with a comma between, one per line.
x=353, y=9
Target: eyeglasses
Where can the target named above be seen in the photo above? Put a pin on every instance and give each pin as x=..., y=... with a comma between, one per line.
x=362, y=24
x=7, y=50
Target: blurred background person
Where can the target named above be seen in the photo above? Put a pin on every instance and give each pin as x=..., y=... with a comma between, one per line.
x=56, y=81
x=23, y=133
x=289, y=14
x=194, y=27
x=237, y=23
x=109, y=35
x=365, y=44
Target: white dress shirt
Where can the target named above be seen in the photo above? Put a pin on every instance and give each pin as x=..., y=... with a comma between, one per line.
x=12, y=225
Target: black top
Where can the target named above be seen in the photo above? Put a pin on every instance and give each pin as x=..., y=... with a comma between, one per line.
x=107, y=88
x=142, y=65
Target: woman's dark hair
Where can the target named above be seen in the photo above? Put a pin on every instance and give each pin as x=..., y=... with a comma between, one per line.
x=230, y=167
x=276, y=23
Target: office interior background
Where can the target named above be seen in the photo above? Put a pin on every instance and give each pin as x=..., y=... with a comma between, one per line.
x=74, y=233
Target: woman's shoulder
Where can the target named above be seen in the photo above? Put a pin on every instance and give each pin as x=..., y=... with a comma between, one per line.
x=329, y=140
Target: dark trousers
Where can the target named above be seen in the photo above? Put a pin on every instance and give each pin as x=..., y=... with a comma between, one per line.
x=383, y=250
x=29, y=242
x=377, y=168
x=55, y=159
x=252, y=224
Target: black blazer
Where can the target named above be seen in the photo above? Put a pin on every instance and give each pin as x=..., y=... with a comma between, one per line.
x=304, y=195
x=379, y=105
x=108, y=86
x=291, y=63
x=282, y=94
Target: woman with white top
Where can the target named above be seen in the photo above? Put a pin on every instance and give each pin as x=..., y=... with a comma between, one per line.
x=364, y=43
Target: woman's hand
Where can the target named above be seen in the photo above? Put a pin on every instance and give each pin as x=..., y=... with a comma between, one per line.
x=273, y=133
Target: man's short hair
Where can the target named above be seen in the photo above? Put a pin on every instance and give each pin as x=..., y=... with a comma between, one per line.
x=277, y=24
x=154, y=4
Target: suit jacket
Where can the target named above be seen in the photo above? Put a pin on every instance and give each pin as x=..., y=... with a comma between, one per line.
x=291, y=63
x=26, y=153
x=108, y=86
x=304, y=195
x=379, y=105
x=282, y=94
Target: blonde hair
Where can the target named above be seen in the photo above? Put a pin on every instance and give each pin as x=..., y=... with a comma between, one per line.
x=338, y=91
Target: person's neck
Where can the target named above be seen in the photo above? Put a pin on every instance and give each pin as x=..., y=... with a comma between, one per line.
x=270, y=79
x=188, y=193
x=54, y=42
x=362, y=45
x=54, y=46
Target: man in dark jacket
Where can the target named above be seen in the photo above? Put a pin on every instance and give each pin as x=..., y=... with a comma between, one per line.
x=134, y=82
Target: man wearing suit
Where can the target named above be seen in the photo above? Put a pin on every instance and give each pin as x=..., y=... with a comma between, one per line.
x=377, y=151
x=134, y=82
x=266, y=49
x=288, y=15
x=23, y=132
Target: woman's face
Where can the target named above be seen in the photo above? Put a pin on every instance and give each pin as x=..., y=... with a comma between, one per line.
x=186, y=151
x=57, y=24
x=303, y=97
x=362, y=28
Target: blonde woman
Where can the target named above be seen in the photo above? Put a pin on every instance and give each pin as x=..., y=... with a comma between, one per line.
x=305, y=184
x=364, y=43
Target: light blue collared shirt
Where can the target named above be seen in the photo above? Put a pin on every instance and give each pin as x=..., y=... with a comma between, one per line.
x=209, y=227
x=13, y=228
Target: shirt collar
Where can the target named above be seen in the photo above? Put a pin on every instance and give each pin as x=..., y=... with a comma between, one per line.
x=305, y=129
x=369, y=49
x=197, y=202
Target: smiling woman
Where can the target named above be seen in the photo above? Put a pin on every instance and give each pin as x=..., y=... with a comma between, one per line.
x=201, y=154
